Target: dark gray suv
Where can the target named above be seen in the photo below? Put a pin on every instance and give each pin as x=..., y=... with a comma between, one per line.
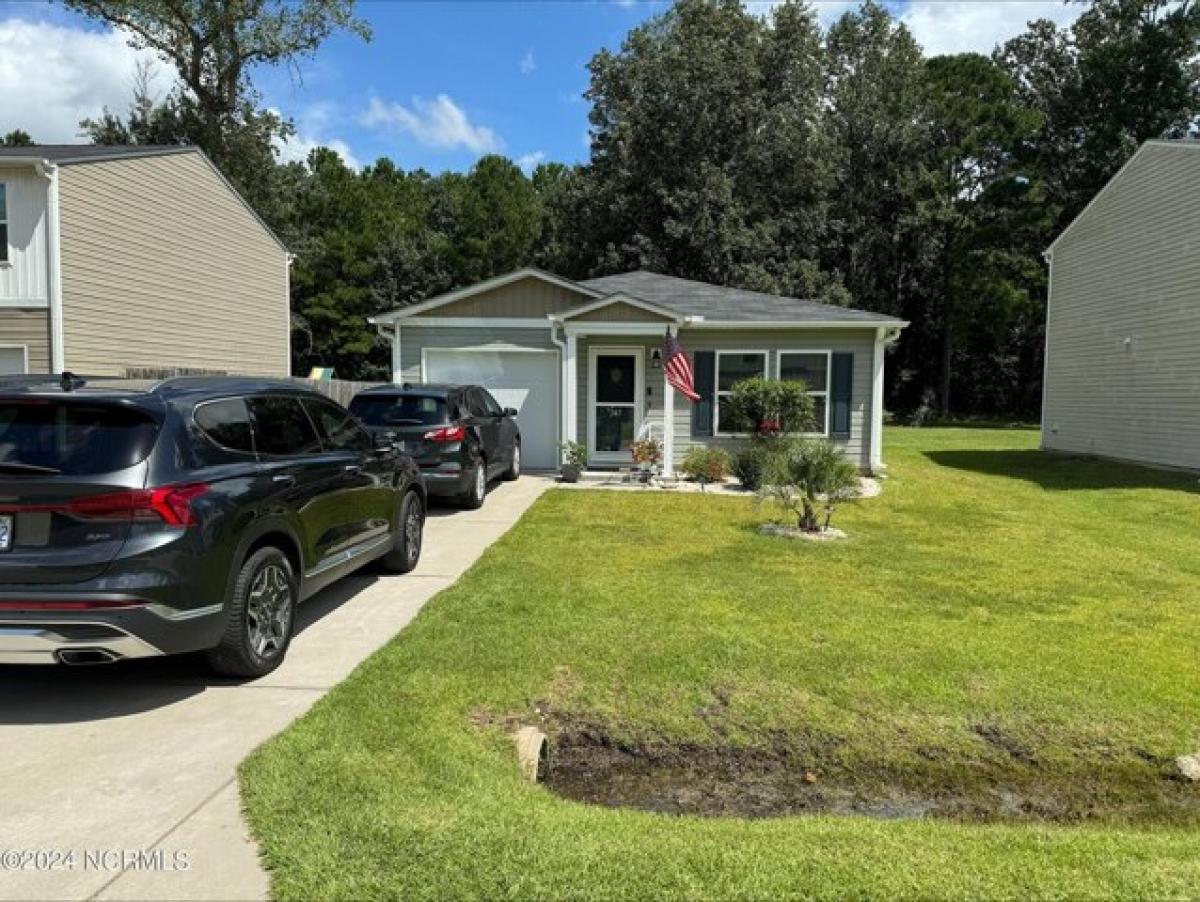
x=192, y=515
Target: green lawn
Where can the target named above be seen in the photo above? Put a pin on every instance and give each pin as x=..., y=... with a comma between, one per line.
x=992, y=591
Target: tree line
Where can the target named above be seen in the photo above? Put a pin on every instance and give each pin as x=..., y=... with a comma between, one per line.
x=763, y=152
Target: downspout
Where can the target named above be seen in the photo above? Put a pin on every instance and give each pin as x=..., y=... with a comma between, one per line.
x=287, y=309
x=1048, y=256
x=58, y=362
x=393, y=337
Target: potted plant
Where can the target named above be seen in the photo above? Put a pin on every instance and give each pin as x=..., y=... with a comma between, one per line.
x=574, y=459
x=647, y=454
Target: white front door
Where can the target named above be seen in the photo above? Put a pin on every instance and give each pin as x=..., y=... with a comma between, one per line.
x=616, y=389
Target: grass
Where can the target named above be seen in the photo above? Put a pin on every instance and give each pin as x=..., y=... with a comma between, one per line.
x=1051, y=600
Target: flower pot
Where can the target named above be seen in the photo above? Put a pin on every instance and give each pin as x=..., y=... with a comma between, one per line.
x=570, y=473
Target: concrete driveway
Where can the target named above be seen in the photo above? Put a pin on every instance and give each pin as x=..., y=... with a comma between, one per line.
x=119, y=782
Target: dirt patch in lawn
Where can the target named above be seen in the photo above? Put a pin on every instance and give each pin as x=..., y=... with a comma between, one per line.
x=803, y=775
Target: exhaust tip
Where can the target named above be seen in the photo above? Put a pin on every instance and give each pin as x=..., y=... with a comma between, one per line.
x=79, y=657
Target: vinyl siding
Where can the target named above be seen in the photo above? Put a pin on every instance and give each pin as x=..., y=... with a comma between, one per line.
x=1123, y=324
x=415, y=338
x=23, y=279
x=528, y=297
x=30, y=328
x=164, y=267
x=859, y=343
x=619, y=312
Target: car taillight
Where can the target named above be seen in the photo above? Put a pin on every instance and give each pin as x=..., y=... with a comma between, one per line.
x=447, y=434
x=171, y=504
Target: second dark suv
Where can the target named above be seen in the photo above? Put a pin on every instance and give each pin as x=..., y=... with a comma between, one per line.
x=192, y=516
x=459, y=435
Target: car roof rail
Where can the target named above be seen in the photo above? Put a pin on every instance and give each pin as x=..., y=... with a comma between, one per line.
x=66, y=380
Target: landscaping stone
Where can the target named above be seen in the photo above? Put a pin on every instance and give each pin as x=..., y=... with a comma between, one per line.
x=1189, y=766
x=792, y=532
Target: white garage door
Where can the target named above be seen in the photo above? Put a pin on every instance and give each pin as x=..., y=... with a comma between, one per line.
x=12, y=360
x=526, y=380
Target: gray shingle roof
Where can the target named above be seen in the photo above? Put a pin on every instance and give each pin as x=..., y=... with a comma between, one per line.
x=81, y=153
x=714, y=302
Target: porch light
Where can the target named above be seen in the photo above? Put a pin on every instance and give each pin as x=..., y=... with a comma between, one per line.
x=656, y=359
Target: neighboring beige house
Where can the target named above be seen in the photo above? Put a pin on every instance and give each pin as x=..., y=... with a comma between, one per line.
x=1122, y=375
x=122, y=261
x=581, y=361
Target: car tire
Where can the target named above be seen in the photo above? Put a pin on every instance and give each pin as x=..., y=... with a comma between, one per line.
x=514, y=468
x=472, y=499
x=407, y=540
x=262, y=617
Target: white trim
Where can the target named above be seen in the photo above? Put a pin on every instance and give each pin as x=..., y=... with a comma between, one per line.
x=287, y=311
x=875, y=450
x=625, y=330
x=766, y=374
x=668, y=465
x=735, y=325
x=58, y=354
x=620, y=298
x=571, y=365
x=828, y=354
x=30, y=303
x=638, y=353
x=470, y=322
x=480, y=287
x=24, y=354
x=564, y=414
x=1117, y=175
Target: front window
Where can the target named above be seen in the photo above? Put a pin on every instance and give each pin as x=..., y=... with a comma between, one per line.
x=734, y=367
x=3, y=223
x=811, y=368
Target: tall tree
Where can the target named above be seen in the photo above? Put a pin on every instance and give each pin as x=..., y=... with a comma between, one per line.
x=17, y=138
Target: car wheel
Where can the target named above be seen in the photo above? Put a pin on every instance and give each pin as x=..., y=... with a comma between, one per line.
x=514, y=468
x=262, y=614
x=410, y=529
x=477, y=490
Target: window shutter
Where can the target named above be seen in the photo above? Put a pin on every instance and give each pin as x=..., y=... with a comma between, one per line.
x=839, y=395
x=704, y=364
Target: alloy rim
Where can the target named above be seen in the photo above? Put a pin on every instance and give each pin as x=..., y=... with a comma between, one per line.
x=480, y=482
x=412, y=532
x=516, y=460
x=269, y=611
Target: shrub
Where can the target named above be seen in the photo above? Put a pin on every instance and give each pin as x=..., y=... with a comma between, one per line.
x=808, y=474
x=769, y=407
x=647, y=451
x=575, y=454
x=706, y=464
x=749, y=464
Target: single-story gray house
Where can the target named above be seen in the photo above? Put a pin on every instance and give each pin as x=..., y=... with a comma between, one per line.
x=135, y=261
x=580, y=360
x=1122, y=374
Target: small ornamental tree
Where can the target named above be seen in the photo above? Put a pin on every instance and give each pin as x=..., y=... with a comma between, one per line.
x=807, y=475
x=768, y=407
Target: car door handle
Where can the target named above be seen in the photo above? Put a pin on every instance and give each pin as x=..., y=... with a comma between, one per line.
x=352, y=468
x=283, y=479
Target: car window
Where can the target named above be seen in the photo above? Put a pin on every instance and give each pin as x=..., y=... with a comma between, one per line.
x=281, y=427
x=75, y=438
x=489, y=403
x=475, y=403
x=338, y=426
x=399, y=410
x=227, y=423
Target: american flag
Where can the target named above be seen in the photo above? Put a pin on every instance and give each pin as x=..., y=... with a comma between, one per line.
x=678, y=368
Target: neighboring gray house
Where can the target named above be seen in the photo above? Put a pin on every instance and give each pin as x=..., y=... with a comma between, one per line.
x=580, y=360
x=1122, y=376
x=129, y=260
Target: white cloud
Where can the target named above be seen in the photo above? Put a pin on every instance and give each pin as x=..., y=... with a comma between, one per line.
x=297, y=148
x=527, y=63
x=435, y=123
x=530, y=161
x=963, y=26
x=52, y=76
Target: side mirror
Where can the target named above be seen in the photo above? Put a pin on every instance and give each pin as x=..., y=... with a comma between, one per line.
x=510, y=411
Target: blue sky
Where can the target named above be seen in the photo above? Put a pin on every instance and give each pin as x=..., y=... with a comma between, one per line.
x=440, y=84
